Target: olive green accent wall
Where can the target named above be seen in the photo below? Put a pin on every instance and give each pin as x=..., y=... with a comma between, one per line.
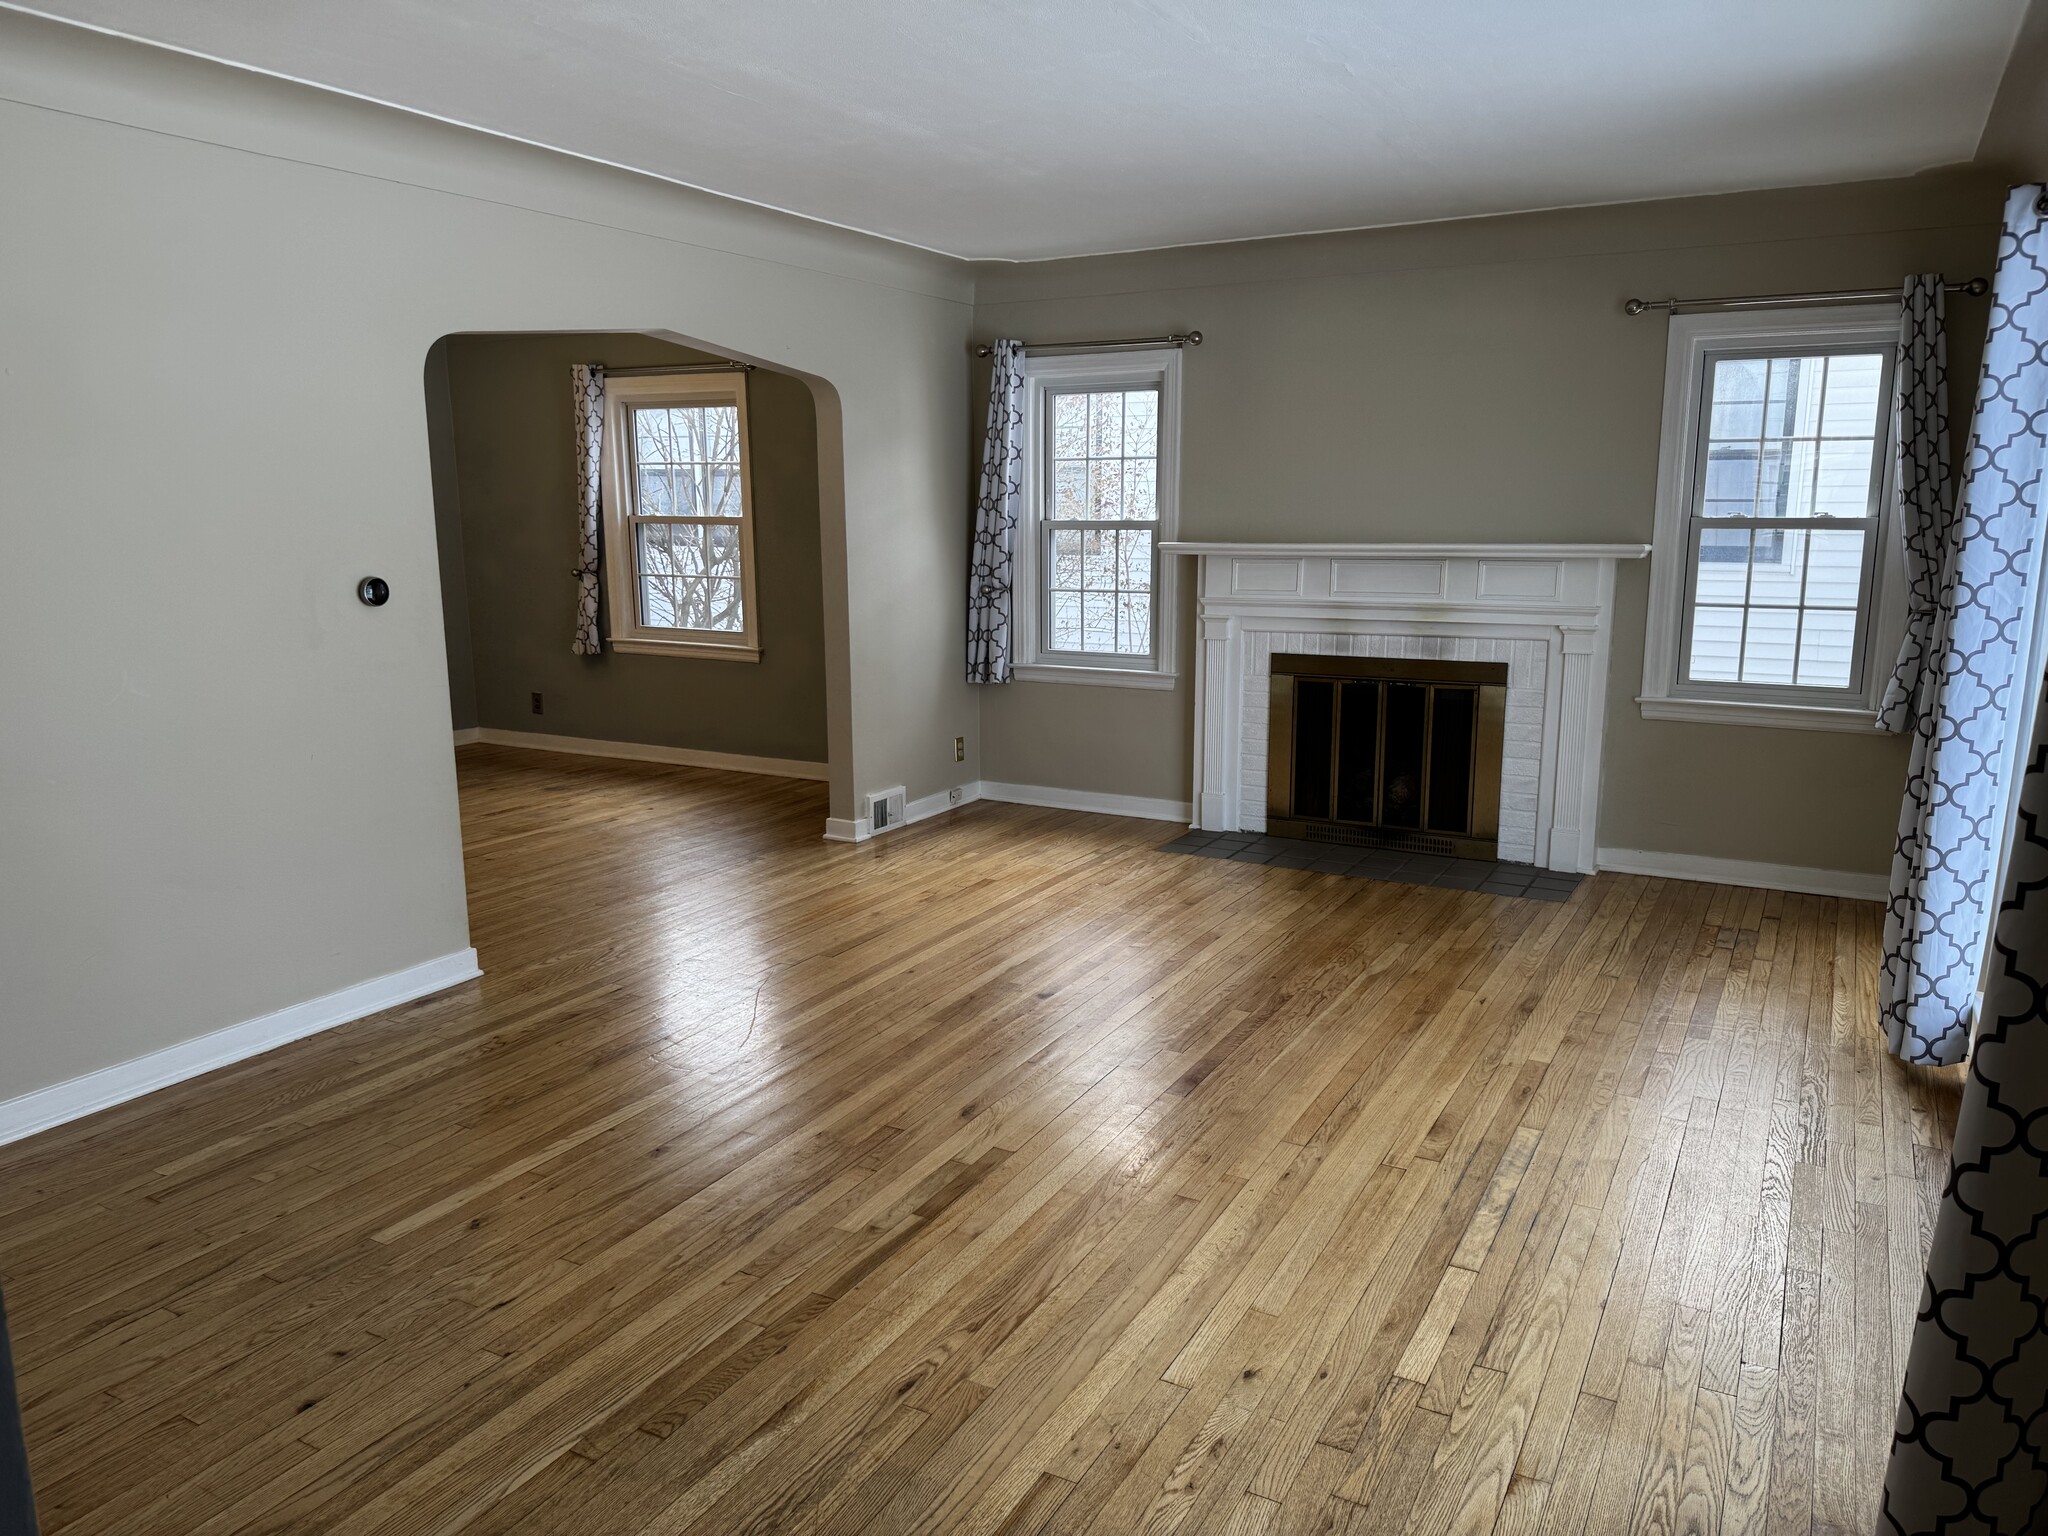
x=1479, y=381
x=513, y=499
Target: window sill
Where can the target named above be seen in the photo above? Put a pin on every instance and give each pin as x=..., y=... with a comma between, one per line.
x=1099, y=677
x=1795, y=717
x=703, y=650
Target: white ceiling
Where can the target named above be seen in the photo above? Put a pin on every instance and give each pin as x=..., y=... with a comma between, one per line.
x=1031, y=128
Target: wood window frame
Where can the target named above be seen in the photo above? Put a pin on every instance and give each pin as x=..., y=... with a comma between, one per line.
x=620, y=516
x=1054, y=373
x=1696, y=342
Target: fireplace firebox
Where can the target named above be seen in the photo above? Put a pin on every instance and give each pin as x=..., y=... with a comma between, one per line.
x=1387, y=753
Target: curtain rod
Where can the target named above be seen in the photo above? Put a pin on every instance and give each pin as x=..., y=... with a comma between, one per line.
x=629, y=373
x=1177, y=339
x=1975, y=285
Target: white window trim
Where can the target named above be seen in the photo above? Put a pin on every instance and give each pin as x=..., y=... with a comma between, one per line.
x=1664, y=696
x=625, y=632
x=1136, y=368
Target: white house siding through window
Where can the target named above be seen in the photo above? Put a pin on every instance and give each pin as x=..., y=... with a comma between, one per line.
x=1785, y=518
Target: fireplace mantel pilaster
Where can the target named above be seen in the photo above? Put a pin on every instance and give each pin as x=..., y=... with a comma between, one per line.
x=1544, y=609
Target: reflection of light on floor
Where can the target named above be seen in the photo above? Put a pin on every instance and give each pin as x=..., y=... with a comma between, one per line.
x=717, y=1010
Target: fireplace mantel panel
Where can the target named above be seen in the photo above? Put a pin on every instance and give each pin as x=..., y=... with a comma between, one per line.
x=1544, y=609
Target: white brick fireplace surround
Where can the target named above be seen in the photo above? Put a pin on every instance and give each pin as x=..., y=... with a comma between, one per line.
x=1544, y=609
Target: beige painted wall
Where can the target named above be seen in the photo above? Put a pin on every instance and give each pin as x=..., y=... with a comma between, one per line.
x=226, y=786
x=514, y=457
x=1478, y=380
x=2015, y=144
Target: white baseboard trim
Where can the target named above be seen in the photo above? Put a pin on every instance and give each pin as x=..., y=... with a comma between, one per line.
x=1091, y=801
x=469, y=735
x=840, y=829
x=859, y=829
x=642, y=752
x=45, y=1107
x=1769, y=877
x=937, y=803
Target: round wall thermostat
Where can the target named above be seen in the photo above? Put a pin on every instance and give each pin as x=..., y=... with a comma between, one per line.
x=375, y=591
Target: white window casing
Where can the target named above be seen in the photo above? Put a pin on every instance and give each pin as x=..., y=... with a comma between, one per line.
x=689, y=571
x=1038, y=658
x=1679, y=681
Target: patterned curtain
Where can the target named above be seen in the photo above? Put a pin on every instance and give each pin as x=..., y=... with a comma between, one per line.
x=1953, y=817
x=1971, y=1453
x=586, y=391
x=995, y=521
x=1926, y=507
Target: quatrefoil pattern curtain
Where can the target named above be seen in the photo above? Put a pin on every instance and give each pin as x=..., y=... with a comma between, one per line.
x=1971, y=1454
x=1924, y=496
x=586, y=401
x=992, y=563
x=1952, y=820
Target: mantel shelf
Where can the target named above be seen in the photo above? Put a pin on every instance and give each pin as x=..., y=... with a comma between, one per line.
x=1415, y=551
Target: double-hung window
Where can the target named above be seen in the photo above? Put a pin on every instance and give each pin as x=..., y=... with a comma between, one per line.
x=1093, y=596
x=678, y=516
x=1774, y=583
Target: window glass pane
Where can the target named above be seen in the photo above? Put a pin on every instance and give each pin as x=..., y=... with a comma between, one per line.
x=1834, y=576
x=687, y=464
x=722, y=606
x=1827, y=647
x=1066, y=621
x=1842, y=486
x=1810, y=427
x=1105, y=456
x=653, y=541
x=1785, y=479
x=722, y=545
x=1767, y=642
x=1106, y=425
x=1098, y=621
x=1103, y=470
x=1723, y=572
x=657, y=602
x=1731, y=480
x=1066, y=559
x=1738, y=398
x=1098, y=579
x=1134, y=624
x=1716, y=645
x=1796, y=438
x=1853, y=403
x=1070, y=426
x=1106, y=490
x=1777, y=567
x=655, y=499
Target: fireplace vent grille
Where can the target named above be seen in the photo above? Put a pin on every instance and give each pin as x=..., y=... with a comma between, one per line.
x=1377, y=837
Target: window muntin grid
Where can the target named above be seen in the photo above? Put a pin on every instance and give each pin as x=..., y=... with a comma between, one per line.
x=1099, y=521
x=1784, y=516
x=687, y=516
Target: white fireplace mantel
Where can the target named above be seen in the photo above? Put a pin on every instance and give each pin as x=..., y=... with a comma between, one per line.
x=1546, y=610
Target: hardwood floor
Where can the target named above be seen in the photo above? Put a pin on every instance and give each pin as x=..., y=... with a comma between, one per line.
x=1003, y=1175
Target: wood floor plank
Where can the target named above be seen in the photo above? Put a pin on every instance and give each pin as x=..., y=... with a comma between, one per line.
x=1003, y=1176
